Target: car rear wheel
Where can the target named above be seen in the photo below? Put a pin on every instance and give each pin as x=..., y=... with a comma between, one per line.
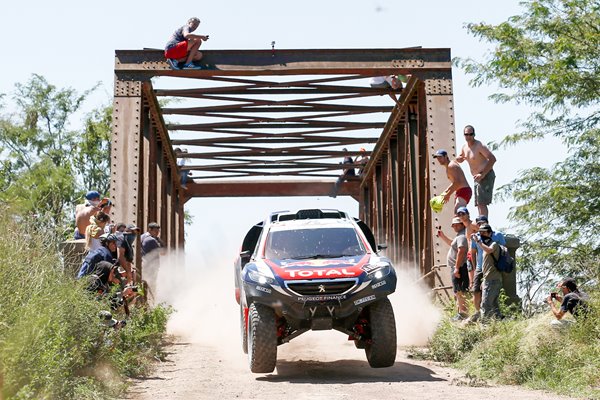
x=262, y=338
x=244, y=328
x=381, y=349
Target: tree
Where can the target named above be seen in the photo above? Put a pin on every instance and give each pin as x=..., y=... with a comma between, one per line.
x=549, y=58
x=44, y=165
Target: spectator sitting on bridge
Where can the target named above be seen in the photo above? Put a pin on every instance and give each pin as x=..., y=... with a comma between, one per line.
x=107, y=252
x=573, y=301
x=458, y=182
x=94, y=230
x=183, y=46
x=83, y=212
x=362, y=159
x=457, y=263
x=347, y=172
x=393, y=82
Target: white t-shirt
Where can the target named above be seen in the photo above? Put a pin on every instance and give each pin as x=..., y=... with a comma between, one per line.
x=380, y=80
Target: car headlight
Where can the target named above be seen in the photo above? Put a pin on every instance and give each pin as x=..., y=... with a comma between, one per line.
x=260, y=278
x=379, y=270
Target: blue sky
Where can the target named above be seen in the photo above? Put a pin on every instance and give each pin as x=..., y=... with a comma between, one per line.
x=72, y=45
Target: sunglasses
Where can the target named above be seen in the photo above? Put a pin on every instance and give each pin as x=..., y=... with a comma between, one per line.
x=460, y=214
x=469, y=134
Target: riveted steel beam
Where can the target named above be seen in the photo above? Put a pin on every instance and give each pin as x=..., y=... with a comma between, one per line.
x=248, y=188
x=144, y=64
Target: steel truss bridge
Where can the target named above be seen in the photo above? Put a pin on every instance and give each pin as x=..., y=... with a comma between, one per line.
x=274, y=123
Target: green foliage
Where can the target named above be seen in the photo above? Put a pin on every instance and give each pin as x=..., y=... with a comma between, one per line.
x=549, y=58
x=527, y=352
x=51, y=343
x=44, y=165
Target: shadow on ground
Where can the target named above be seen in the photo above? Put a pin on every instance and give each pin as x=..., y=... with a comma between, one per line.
x=347, y=371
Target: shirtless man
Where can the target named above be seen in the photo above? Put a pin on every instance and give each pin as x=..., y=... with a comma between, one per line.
x=83, y=212
x=458, y=182
x=481, y=161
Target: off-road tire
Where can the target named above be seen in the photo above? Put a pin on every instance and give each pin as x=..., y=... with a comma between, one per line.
x=243, y=330
x=262, y=338
x=359, y=344
x=381, y=350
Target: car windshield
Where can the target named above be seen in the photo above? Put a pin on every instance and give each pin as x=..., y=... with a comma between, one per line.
x=313, y=243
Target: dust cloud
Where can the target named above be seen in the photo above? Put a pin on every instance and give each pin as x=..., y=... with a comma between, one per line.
x=200, y=287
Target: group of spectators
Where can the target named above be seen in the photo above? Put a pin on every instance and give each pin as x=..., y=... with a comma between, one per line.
x=475, y=250
x=109, y=262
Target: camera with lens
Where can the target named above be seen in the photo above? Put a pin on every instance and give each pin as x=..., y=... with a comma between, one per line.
x=553, y=295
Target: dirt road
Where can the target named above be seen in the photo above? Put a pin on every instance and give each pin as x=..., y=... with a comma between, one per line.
x=206, y=361
x=319, y=365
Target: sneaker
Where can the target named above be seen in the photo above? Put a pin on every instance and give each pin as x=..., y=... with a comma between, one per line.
x=174, y=64
x=458, y=317
x=192, y=66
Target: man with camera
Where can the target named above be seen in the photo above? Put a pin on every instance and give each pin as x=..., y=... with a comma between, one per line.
x=477, y=256
x=573, y=300
x=492, y=278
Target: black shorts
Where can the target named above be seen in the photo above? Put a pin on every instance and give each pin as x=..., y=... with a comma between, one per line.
x=477, y=280
x=460, y=284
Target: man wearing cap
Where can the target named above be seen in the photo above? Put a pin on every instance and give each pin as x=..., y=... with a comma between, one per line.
x=492, y=278
x=477, y=254
x=457, y=262
x=107, y=252
x=458, y=182
x=90, y=208
x=481, y=163
x=347, y=172
x=573, y=300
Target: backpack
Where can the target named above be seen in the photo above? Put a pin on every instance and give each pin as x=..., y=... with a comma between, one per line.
x=504, y=263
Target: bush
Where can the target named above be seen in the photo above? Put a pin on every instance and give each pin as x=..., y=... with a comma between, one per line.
x=526, y=351
x=52, y=344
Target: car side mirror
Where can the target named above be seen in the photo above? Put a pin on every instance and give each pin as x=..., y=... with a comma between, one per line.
x=382, y=246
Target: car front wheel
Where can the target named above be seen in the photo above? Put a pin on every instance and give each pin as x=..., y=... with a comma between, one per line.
x=381, y=349
x=262, y=338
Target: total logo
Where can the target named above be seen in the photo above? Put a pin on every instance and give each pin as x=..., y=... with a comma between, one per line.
x=319, y=273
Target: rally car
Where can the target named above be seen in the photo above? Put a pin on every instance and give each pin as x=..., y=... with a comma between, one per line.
x=313, y=270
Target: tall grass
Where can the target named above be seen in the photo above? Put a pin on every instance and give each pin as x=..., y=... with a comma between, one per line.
x=527, y=352
x=52, y=344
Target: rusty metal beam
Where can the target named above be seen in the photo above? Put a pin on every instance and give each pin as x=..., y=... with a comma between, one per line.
x=247, y=188
x=246, y=108
x=144, y=64
x=390, y=126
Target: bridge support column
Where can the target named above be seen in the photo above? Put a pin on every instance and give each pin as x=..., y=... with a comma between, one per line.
x=144, y=180
x=441, y=134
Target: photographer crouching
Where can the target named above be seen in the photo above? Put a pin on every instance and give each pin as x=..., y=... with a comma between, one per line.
x=105, y=277
x=573, y=301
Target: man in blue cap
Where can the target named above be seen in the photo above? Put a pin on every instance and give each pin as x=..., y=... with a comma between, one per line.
x=458, y=181
x=90, y=208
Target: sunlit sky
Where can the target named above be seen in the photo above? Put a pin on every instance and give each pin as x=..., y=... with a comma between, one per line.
x=72, y=43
